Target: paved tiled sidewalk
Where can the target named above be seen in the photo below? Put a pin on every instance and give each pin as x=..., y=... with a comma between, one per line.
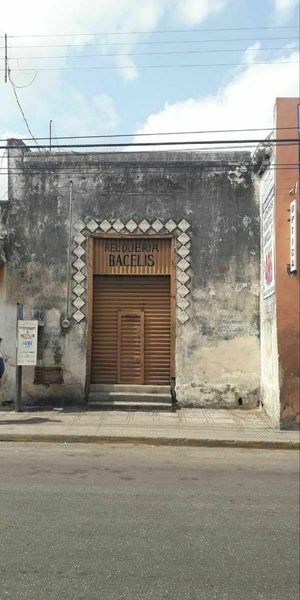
x=190, y=426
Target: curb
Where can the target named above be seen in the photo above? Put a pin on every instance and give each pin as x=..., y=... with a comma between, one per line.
x=156, y=441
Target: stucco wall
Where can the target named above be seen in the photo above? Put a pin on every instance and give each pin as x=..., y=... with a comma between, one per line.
x=217, y=348
x=287, y=286
x=270, y=390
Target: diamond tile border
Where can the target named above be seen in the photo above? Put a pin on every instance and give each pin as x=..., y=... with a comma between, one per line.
x=183, y=273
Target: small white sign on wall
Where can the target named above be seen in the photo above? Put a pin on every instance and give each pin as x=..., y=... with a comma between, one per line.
x=27, y=343
x=293, y=236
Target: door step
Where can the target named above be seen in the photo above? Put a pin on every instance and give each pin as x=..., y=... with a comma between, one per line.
x=130, y=406
x=128, y=388
x=129, y=397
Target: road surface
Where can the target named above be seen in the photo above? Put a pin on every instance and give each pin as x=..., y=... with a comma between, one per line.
x=138, y=523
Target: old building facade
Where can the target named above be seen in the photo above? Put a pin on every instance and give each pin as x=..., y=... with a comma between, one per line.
x=141, y=268
x=280, y=283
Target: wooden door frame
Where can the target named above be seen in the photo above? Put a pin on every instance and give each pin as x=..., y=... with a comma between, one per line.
x=90, y=281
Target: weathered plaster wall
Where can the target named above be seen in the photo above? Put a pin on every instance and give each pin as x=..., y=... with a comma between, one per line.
x=270, y=394
x=217, y=353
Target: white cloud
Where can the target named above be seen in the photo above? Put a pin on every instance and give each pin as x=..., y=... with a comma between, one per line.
x=93, y=16
x=96, y=113
x=247, y=101
x=126, y=63
x=251, y=53
x=285, y=6
x=192, y=12
x=3, y=163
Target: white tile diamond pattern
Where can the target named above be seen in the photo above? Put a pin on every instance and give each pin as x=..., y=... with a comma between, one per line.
x=78, y=316
x=79, y=264
x=79, y=251
x=79, y=277
x=182, y=316
x=183, y=253
x=183, y=225
x=157, y=225
x=131, y=225
x=79, y=238
x=182, y=277
x=144, y=225
x=118, y=226
x=79, y=225
x=183, y=264
x=183, y=303
x=78, y=302
x=183, y=238
x=183, y=291
x=78, y=289
x=105, y=226
x=170, y=225
x=92, y=225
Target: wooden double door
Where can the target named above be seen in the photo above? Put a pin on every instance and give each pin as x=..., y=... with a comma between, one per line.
x=131, y=332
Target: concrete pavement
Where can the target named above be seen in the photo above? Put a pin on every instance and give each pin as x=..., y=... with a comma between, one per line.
x=190, y=427
x=111, y=522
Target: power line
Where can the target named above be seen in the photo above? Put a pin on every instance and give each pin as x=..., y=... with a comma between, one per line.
x=115, y=54
x=169, y=143
x=20, y=107
x=156, y=32
x=246, y=64
x=114, y=135
x=73, y=156
x=243, y=39
x=237, y=148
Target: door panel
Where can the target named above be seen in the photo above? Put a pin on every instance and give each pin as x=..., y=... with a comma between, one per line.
x=152, y=296
x=131, y=347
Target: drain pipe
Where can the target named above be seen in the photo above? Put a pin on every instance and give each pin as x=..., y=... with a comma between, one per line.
x=66, y=322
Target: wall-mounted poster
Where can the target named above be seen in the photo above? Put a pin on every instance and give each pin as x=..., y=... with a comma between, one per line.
x=27, y=343
x=268, y=242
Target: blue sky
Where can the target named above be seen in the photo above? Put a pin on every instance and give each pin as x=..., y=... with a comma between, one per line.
x=146, y=100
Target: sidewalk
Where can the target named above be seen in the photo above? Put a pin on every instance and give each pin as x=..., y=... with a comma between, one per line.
x=186, y=427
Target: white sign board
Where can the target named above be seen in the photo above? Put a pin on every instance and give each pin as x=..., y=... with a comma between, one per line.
x=268, y=243
x=27, y=343
x=293, y=236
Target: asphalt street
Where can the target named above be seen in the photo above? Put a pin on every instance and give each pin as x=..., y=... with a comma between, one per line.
x=115, y=522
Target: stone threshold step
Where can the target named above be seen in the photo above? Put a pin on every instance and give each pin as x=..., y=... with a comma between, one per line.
x=143, y=389
x=128, y=397
x=134, y=406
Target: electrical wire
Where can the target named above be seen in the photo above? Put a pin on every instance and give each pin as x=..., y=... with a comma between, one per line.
x=173, y=53
x=156, y=32
x=169, y=143
x=226, y=40
x=246, y=64
x=114, y=135
x=20, y=107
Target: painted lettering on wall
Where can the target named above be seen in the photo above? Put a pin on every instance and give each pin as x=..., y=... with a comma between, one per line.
x=293, y=236
x=131, y=253
x=268, y=233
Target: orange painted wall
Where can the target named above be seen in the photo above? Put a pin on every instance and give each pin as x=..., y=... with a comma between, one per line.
x=287, y=286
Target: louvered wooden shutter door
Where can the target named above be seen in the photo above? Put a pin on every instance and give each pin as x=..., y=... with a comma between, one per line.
x=131, y=347
x=150, y=295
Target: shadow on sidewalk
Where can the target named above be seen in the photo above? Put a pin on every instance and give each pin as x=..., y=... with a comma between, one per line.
x=30, y=421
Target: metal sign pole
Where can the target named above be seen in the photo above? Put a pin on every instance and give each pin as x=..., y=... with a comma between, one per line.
x=18, y=398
